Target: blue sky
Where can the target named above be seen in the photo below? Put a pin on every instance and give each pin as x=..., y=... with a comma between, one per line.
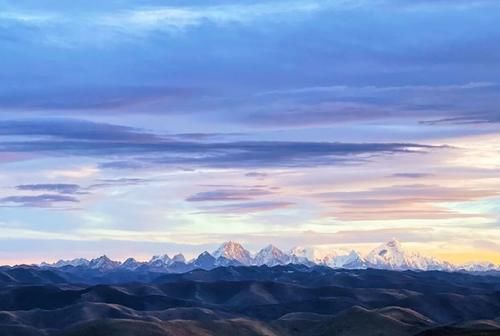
x=141, y=127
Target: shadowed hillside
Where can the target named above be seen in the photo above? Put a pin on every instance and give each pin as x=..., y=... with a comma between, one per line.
x=273, y=301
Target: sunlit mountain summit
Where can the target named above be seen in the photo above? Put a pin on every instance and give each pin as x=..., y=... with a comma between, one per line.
x=388, y=256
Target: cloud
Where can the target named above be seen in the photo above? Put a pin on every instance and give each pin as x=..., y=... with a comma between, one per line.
x=27, y=18
x=440, y=4
x=344, y=90
x=256, y=174
x=486, y=244
x=72, y=129
x=38, y=201
x=124, y=181
x=204, y=136
x=413, y=191
x=81, y=172
x=176, y=18
x=133, y=148
x=228, y=195
x=355, y=69
x=467, y=103
x=246, y=208
x=62, y=188
x=411, y=175
x=418, y=201
x=473, y=118
x=258, y=154
x=90, y=98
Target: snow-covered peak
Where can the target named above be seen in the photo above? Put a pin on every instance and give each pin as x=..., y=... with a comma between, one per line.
x=271, y=256
x=74, y=262
x=312, y=253
x=479, y=266
x=336, y=258
x=160, y=260
x=205, y=254
x=302, y=254
x=345, y=259
x=392, y=255
x=233, y=251
x=103, y=263
x=205, y=261
x=130, y=264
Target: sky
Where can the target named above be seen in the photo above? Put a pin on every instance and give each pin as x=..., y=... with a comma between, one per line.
x=140, y=127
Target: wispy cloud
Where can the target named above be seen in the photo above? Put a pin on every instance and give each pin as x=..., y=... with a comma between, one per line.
x=471, y=119
x=246, y=208
x=228, y=195
x=429, y=104
x=256, y=174
x=137, y=148
x=411, y=175
x=38, y=201
x=29, y=17
x=418, y=201
x=124, y=181
x=62, y=188
x=165, y=18
x=88, y=98
x=72, y=129
x=371, y=90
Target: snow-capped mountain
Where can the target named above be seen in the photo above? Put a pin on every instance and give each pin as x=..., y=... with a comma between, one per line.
x=233, y=251
x=345, y=259
x=271, y=256
x=74, y=262
x=103, y=263
x=391, y=255
x=481, y=266
x=131, y=264
x=335, y=258
x=303, y=255
x=204, y=261
x=160, y=261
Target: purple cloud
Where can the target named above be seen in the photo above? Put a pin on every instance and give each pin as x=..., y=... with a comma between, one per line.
x=247, y=208
x=228, y=195
x=38, y=201
x=411, y=175
x=62, y=188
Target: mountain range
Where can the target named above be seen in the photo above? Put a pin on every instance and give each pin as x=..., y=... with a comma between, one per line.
x=388, y=256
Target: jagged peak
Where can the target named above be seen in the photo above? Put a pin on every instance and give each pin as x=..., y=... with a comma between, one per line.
x=103, y=257
x=164, y=258
x=205, y=253
x=103, y=262
x=229, y=246
x=232, y=250
x=270, y=248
